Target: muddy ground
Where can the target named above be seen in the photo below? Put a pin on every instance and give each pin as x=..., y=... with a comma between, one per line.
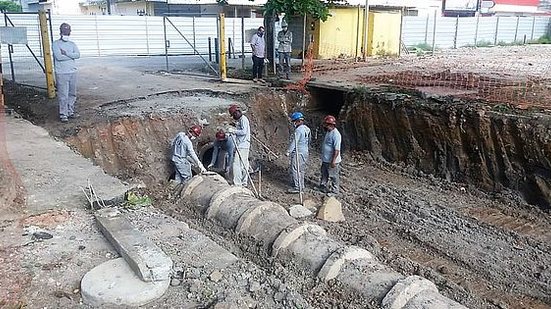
x=483, y=248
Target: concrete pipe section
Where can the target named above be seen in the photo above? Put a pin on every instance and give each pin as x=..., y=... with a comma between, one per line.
x=307, y=245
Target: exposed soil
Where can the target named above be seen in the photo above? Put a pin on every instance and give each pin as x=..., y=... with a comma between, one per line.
x=445, y=208
x=483, y=249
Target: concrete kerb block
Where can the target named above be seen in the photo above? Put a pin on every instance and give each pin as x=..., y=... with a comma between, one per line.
x=147, y=260
x=191, y=185
x=292, y=233
x=334, y=263
x=219, y=197
x=406, y=289
x=247, y=218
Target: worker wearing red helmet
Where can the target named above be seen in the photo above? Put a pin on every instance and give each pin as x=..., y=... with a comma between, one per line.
x=182, y=149
x=222, y=142
x=241, y=137
x=330, y=157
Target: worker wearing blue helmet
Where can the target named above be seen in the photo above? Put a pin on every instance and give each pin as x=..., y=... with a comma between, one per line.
x=298, y=152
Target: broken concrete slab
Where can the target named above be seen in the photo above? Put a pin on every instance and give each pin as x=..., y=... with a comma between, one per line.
x=54, y=183
x=115, y=283
x=144, y=257
x=331, y=210
x=299, y=211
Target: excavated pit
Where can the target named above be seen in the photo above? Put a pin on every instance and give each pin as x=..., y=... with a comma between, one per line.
x=387, y=134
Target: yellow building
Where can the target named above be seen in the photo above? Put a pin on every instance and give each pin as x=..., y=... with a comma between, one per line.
x=342, y=34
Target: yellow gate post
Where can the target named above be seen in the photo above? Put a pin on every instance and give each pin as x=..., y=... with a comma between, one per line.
x=47, y=52
x=222, y=40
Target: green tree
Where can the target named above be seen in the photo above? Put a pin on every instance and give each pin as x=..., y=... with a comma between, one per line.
x=314, y=8
x=317, y=9
x=9, y=6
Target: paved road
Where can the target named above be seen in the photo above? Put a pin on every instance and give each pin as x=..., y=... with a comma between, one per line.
x=27, y=71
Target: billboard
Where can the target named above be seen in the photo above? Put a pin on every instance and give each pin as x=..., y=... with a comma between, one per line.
x=460, y=5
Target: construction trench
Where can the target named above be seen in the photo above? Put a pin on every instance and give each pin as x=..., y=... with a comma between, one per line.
x=446, y=202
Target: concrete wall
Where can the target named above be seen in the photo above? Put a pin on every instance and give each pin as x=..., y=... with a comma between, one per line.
x=339, y=35
x=384, y=33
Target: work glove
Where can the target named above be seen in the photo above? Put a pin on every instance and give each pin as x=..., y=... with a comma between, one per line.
x=203, y=169
x=210, y=166
x=287, y=154
x=231, y=130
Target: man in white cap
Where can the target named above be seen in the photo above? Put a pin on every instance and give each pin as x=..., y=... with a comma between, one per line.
x=285, y=39
x=65, y=54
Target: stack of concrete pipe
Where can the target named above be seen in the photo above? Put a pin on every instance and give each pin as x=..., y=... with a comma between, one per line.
x=308, y=245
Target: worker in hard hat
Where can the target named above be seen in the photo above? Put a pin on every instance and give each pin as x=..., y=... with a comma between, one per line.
x=330, y=157
x=241, y=137
x=285, y=39
x=182, y=152
x=224, y=143
x=298, y=152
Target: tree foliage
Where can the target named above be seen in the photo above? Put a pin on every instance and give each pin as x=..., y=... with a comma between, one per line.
x=9, y=6
x=314, y=8
x=317, y=9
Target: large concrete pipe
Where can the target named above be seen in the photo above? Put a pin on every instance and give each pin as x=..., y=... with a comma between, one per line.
x=308, y=245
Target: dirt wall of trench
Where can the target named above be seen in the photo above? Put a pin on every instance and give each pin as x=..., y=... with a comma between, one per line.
x=138, y=147
x=473, y=143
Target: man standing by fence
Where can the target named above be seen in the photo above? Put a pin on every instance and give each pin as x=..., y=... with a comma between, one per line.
x=258, y=46
x=285, y=39
x=65, y=54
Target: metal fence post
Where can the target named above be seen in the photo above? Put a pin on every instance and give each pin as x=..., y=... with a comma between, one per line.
x=533, y=28
x=427, y=29
x=303, y=39
x=222, y=47
x=10, y=50
x=210, y=49
x=434, y=33
x=455, y=34
x=97, y=34
x=516, y=29
x=49, y=68
x=476, y=29
x=243, y=43
x=216, y=51
x=193, y=28
x=497, y=31
x=165, y=42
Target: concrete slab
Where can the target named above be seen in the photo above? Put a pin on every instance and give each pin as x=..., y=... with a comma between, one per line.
x=147, y=260
x=115, y=283
x=54, y=183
